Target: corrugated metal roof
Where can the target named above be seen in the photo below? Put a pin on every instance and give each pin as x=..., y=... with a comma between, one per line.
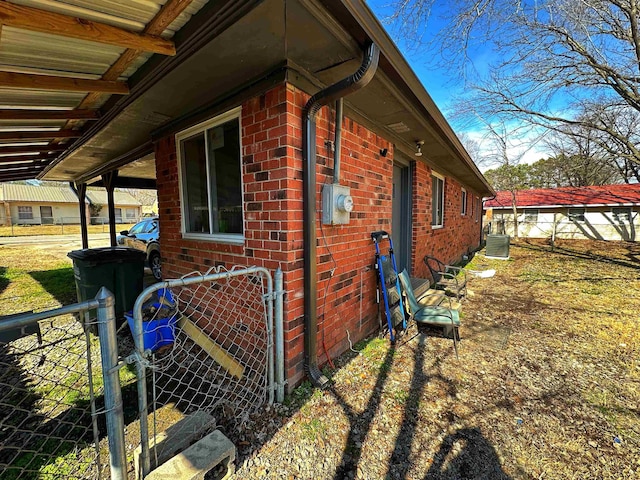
x=119, y=198
x=12, y=192
x=25, y=51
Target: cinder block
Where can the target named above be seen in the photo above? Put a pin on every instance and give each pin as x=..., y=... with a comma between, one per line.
x=175, y=439
x=215, y=451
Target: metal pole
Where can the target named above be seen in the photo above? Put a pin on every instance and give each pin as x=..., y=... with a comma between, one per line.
x=112, y=392
x=270, y=355
x=279, y=327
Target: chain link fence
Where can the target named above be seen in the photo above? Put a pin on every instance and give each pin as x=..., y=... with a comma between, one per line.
x=209, y=348
x=52, y=397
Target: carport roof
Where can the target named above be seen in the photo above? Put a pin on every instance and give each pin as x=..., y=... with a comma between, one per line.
x=60, y=61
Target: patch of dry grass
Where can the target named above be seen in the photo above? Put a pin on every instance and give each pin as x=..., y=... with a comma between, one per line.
x=547, y=385
x=30, y=230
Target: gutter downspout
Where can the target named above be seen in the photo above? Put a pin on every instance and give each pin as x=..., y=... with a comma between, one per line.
x=332, y=93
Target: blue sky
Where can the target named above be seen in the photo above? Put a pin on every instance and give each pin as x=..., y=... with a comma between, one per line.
x=443, y=86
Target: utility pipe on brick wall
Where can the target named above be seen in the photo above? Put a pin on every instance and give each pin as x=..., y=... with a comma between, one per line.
x=337, y=142
x=324, y=97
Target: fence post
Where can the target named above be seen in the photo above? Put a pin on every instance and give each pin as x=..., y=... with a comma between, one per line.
x=62, y=224
x=279, y=327
x=112, y=392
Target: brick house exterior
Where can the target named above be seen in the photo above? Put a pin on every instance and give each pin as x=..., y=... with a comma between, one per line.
x=271, y=142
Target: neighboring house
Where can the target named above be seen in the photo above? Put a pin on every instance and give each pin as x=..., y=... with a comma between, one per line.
x=242, y=157
x=32, y=205
x=127, y=208
x=150, y=210
x=608, y=212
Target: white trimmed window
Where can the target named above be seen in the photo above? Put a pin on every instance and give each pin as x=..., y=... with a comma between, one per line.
x=211, y=179
x=531, y=215
x=25, y=213
x=463, y=199
x=621, y=214
x=576, y=214
x=437, y=200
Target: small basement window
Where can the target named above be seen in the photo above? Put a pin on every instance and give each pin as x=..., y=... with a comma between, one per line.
x=437, y=200
x=531, y=215
x=576, y=214
x=211, y=179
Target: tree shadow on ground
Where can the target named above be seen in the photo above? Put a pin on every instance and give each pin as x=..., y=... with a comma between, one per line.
x=59, y=283
x=4, y=281
x=569, y=252
x=466, y=454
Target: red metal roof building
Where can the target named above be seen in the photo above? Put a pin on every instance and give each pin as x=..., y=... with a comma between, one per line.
x=607, y=212
x=601, y=195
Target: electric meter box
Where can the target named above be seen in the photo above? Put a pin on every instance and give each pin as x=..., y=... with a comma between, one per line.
x=336, y=204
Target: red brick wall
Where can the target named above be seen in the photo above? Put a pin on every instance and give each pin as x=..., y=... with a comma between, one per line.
x=460, y=233
x=272, y=178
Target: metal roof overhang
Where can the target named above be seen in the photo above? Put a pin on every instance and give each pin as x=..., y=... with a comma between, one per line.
x=317, y=44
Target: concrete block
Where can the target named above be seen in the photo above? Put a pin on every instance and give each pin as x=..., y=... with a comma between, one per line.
x=174, y=439
x=215, y=451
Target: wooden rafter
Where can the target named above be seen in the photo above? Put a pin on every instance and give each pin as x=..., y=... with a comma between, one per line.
x=50, y=82
x=31, y=149
x=22, y=169
x=44, y=21
x=167, y=14
x=26, y=175
x=25, y=158
x=37, y=114
x=38, y=135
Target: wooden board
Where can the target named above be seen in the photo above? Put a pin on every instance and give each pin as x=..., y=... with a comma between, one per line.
x=216, y=352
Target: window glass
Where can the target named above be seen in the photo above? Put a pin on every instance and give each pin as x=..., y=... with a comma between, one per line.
x=25, y=213
x=437, y=201
x=576, y=214
x=138, y=228
x=621, y=214
x=212, y=179
x=463, y=209
x=531, y=215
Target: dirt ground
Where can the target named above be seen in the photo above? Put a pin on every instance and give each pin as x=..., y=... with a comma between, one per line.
x=547, y=384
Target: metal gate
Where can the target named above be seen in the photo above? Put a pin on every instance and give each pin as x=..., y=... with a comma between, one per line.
x=205, y=343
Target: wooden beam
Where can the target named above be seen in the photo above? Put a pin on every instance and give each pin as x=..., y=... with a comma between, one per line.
x=32, y=149
x=44, y=21
x=20, y=168
x=28, y=175
x=167, y=14
x=38, y=135
x=69, y=84
x=35, y=114
x=25, y=158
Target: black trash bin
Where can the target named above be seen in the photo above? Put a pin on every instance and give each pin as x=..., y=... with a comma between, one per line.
x=120, y=269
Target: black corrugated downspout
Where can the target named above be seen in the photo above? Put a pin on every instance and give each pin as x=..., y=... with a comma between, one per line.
x=330, y=94
x=337, y=142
